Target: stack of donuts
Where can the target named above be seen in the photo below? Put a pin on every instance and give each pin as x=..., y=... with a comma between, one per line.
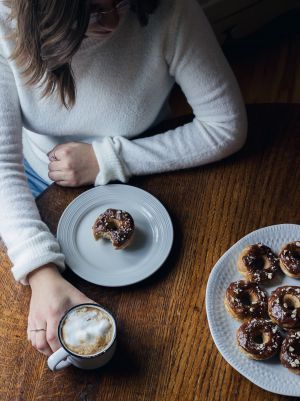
x=270, y=324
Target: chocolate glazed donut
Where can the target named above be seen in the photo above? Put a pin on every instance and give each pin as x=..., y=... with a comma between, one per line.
x=115, y=225
x=290, y=352
x=284, y=307
x=245, y=299
x=289, y=259
x=258, y=263
x=259, y=339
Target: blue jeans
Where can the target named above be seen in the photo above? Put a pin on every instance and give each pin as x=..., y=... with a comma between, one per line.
x=36, y=184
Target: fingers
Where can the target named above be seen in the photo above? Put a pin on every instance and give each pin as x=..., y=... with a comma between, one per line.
x=51, y=335
x=58, y=175
x=61, y=151
x=41, y=343
x=65, y=184
x=36, y=334
x=70, y=165
x=67, y=177
x=38, y=340
x=45, y=341
x=55, y=166
x=54, y=154
x=62, y=173
x=32, y=336
x=28, y=333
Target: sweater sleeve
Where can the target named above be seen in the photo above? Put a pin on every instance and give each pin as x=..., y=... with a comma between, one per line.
x=219, y=128
x=29, y=241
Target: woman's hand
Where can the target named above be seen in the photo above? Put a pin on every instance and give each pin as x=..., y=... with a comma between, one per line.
x=73, y=164
x=51, y=297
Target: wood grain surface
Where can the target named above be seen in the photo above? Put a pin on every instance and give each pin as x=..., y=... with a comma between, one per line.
x=165, y=351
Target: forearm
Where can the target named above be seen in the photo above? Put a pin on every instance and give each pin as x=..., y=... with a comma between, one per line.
x=191, y=145
x=29, y=241
x=202, y=141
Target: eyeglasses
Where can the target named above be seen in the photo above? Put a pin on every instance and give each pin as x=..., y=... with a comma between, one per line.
x=103, y=22
x=98, y=10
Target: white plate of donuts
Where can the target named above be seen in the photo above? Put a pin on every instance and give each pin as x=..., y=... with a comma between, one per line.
x=253, y=307
x=115, y=235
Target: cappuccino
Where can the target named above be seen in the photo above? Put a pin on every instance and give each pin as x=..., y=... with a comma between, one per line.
x=87, y=330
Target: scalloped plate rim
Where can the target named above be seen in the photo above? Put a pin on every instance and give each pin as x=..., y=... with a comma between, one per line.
x=212, y=329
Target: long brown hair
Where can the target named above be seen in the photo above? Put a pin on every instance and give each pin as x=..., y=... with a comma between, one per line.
x=48, y=34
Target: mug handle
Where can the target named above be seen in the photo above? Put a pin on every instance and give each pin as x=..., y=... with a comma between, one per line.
x=59, y=360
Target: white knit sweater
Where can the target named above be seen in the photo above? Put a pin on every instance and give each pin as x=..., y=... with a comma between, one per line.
x=122, y=85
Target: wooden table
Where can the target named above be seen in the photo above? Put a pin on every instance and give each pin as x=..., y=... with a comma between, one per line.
x=165, y=350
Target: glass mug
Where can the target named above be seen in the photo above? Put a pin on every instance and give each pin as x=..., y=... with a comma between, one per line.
x=65, y=357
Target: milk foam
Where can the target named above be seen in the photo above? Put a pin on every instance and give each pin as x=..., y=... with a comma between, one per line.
x=85, y=328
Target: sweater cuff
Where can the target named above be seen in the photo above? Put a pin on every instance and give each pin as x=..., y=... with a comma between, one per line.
x=110, y=164
x=35, y=253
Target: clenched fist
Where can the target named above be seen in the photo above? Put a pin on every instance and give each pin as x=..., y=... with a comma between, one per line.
x=73, y=164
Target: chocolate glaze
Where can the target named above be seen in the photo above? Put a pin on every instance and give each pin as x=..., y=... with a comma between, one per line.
x=290, y=350
x=279, y=310
x=248, y=333
x=255, y=263
x=118, y=224
x=257, y=301
x=290, y=257
x=254, y=260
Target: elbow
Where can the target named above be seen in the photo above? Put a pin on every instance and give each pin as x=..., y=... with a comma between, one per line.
x=237, y=133
x=239, y=138
x=242, y=127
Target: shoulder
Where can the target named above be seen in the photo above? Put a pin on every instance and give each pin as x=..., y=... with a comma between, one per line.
x=6, y=29
x=169, y=14
x=184, y=18
x=5, y=21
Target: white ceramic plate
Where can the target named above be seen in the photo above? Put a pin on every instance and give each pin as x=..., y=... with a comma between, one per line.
x=97, y=261
x=269, y=375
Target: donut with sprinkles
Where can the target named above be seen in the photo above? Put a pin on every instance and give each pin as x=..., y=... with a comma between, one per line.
x=246, y=300
x=258, y=263
x=259, y=339
x=290, y=352
x=115, y=225
x=289, y=259
x=284, y=307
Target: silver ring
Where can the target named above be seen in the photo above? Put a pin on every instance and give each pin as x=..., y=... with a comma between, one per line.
x=53, y=157
x=37, y=330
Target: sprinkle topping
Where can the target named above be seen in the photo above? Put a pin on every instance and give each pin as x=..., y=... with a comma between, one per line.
x=260, y=262
x=290, y=257
x=284, y=306
x=290, y=351
x=117, y=225
x=246, y=299
x=259, y=337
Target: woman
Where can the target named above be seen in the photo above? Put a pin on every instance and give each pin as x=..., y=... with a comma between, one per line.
x=85, y=80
